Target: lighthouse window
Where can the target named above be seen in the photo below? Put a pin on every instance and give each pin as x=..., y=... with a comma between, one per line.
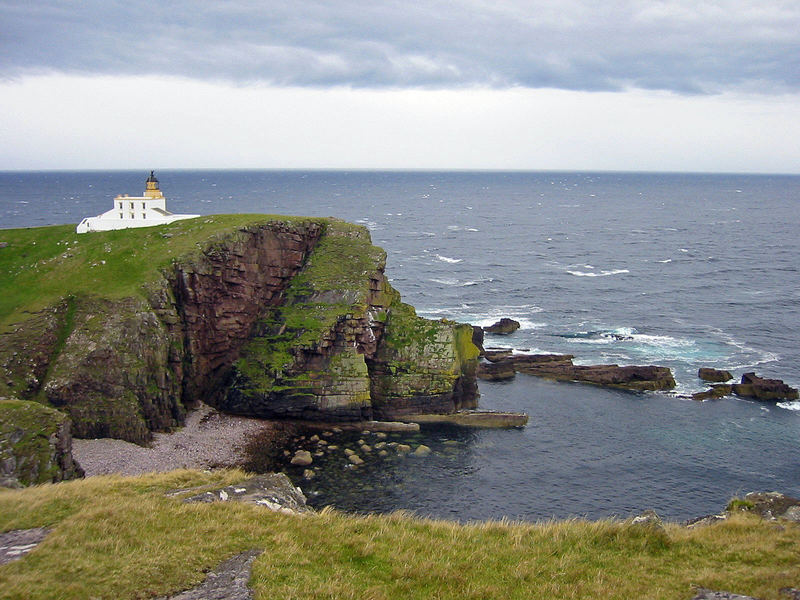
x=120, y=216
x=144, y=215
x=143, y=206
x=120, y=205
x=131, y=204
x=132, y=217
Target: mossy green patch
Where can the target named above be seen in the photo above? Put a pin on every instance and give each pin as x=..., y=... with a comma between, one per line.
x=333, y=286
x=26, y=429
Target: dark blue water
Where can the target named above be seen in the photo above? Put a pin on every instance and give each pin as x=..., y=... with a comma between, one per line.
x=692, y=270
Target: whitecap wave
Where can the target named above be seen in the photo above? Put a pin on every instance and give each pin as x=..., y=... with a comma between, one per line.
x=444, y=281
x=598, y=274
x=447, y=259
x=795, y=406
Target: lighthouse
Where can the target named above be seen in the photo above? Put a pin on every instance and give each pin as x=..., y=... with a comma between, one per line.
x=134, y=211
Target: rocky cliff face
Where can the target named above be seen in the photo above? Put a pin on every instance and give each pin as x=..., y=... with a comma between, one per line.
x=287, y=318
x=35, y=445
x=342, y=346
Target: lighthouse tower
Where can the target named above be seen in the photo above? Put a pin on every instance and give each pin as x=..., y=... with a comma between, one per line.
x=134, y=211
x=151, y=189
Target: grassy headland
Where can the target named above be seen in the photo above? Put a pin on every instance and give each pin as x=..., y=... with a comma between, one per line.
x=42, y=265
x=115, y=537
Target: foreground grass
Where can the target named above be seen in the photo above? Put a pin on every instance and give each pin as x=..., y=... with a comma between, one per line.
x=115, y=537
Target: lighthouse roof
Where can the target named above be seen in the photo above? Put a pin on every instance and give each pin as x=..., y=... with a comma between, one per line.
x=152, y=178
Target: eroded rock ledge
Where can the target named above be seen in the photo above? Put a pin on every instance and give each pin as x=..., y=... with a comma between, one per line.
x=560, y=367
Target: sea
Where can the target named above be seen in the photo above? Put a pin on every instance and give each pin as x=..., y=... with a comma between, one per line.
x=680, y=270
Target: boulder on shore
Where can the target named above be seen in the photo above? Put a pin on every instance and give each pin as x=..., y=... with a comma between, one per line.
x=714, y=375
x=753, y=386
x=503, y=327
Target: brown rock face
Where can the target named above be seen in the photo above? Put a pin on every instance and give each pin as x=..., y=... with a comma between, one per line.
x=219, y=297
x=504, y=326
x=753, y=386
x=496, y=371
x=561, y=368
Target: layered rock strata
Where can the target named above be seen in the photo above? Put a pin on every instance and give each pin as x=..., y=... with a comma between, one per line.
x=753, y=387
x=342, y=346
x=560, y=367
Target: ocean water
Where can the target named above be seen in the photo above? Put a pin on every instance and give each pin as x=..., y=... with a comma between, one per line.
x=681, y=270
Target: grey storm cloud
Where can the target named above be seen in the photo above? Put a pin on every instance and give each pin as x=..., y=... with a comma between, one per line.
x=682, y=46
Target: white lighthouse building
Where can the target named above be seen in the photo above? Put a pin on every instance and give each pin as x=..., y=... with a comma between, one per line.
x=134, y=211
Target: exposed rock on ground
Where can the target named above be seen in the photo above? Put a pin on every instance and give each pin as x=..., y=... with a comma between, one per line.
x=770, y=505
x=35, y=445
x=272, y=490
x=16, y=544
x=504, y=326
x=227, y=582
x=704, y=594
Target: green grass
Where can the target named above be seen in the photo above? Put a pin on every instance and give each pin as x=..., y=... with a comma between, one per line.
x=121, y=538
x=42, y=265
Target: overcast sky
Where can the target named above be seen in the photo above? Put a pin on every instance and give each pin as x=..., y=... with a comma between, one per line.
x=569, y=84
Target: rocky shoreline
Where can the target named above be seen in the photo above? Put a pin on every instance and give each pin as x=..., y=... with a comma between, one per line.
x=209, y=439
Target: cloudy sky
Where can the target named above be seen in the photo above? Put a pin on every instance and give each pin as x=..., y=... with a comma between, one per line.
x=667, y=85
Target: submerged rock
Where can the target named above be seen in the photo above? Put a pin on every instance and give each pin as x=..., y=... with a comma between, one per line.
x=715, y=392
x=302, y=458
x=422, y=450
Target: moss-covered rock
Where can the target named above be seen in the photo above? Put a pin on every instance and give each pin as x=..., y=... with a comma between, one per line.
x=343, y=346
x=35, y=444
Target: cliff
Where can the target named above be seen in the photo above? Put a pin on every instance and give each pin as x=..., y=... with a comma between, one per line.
x=266, y=316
